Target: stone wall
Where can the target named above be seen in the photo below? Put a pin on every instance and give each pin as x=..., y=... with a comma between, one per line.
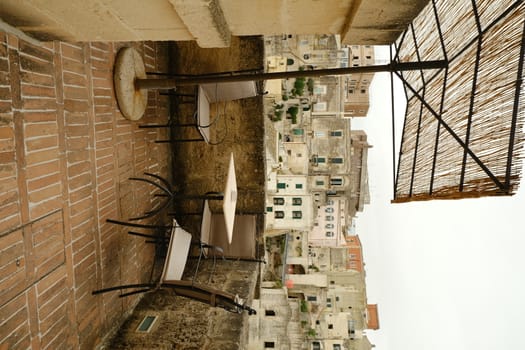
x=187, y=324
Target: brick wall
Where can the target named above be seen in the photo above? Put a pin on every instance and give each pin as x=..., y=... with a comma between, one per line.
x=65, y=157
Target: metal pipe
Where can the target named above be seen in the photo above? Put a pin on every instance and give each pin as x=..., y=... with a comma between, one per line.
x=392, y=67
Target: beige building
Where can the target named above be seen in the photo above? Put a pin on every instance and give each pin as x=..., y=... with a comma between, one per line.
x=211, y=23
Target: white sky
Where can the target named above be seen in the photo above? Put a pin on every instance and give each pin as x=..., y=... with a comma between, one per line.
x=446, y=274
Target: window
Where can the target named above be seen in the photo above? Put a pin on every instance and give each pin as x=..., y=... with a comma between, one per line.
x=278, y=201
x=329, y=234
x=326, y=226
x=337, y=347
x=330, y=202
x=269, y=313
x=298, y=186
x=329, y=218
x=316, y=345
x=337, y=160
x=311, y=298
x=336, y=133
x=269, y=209
x=269, y=345
x=281, y=185
x=330, y=326
x=297, y=201
x=279, y=214
x=336, y=181
x=319, y=160
x=319, y=182
x=319, y=133
x=297, y=214
x=329, y=210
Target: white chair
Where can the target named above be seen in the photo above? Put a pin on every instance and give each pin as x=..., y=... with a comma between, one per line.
x=171, y=277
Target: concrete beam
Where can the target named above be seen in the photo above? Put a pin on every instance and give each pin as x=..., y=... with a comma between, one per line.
x=205, y=21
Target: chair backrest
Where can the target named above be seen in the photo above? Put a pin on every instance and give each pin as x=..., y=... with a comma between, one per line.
x=177, y=253
x=220, y=92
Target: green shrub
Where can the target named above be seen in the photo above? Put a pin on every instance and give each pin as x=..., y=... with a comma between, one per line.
x=304, y=306
x=285, y=97
x=299, y=86
x=310, y=85
x=292, y=111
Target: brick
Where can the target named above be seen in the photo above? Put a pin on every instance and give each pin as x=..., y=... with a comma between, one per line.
x=85, y=269
x=36, y=65
x=103, y=93
x=37, y=91
x=7, y=157
x=78, y=168
x=7, y=145
x=42, y=143
x=79, y=181
x=77, y=143
x=80, y=194
x=42, y=156
x=5, y=93
x=72, y=52
x=76, y=130
x=50, y=280
x=74, y=79
x=77, y=156
x=35, y=51
x=39, y=104
x=43, y=208
x=40, y=116
x=50, y=231
x=102, y=83
x=60, y=340
x=6, y=109
x=80, y=119
x=4, y=65
x=54, y=302
x=72, y=66
x=9, y=222
x=37, y=79
x=8, y=184
x=13, y=285
x=81, y=218
x=42, y=169
x=43, y=194
x=81, y=206
x=47, y=180
x=52, y=290
x=83, y=253
x=40, y=129
x=17, y=321
x=52, y=325
x=75, y=106
x=76, y=92
x=49, y=263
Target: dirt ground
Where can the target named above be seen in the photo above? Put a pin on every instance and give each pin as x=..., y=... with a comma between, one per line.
x=200, y=167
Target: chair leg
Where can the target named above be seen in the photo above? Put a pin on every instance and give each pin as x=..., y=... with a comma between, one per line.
x=126, y=286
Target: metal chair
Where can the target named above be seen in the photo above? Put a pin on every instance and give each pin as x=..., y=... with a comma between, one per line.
x=205, y=95
x=171, y=278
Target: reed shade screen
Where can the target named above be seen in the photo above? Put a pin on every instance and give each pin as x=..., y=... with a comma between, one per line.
x=479, y=99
